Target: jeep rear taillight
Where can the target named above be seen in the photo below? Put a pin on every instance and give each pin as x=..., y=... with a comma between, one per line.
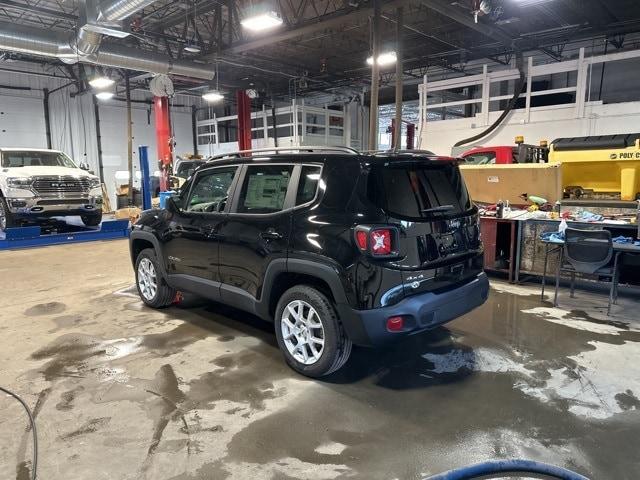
x=381, y=242
x=361, y=240
x=377, y=241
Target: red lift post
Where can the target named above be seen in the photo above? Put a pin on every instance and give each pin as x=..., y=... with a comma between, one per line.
x=244, y=120
x=164, y=139
x=411, y=134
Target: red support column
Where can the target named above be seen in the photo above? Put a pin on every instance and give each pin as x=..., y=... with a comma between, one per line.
x=411, y=136
x=164, y=139
x=392, y=130
x=244, y=120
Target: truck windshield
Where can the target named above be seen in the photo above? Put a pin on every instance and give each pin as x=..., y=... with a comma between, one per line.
x=30, y=158
x=419, y=190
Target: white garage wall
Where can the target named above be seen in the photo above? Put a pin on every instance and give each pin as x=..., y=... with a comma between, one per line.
x=73, y=126
x=546, y=123
x=576, y=79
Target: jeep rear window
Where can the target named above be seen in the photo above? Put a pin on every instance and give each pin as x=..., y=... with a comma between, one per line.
x=419, y=190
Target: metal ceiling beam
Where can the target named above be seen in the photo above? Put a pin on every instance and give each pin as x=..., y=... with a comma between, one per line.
x=179, y=17
x=454, y=13
x=331, y=20
x=36, y=9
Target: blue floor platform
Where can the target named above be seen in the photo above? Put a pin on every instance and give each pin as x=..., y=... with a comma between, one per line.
x=59, y=231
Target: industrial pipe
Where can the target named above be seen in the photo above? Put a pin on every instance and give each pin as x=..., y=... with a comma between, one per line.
x=397, y=133
x=118, y=10
x=33, y=41
x=375, y=79
x=510, y=107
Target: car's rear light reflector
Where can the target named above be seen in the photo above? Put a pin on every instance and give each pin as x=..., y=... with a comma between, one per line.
x=395, y=324
x=381, y=242
x=361, y=239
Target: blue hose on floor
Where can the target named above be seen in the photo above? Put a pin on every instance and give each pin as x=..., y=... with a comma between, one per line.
x=508, y=467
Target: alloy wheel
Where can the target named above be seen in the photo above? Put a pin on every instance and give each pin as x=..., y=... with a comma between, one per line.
x=302, y=332
x=147, y=280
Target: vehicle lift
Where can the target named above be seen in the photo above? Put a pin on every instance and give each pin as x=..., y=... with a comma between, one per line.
x=58, y=231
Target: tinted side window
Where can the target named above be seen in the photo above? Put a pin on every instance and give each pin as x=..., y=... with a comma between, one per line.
x=210, y=190
x=309, y=178
x=264, y=189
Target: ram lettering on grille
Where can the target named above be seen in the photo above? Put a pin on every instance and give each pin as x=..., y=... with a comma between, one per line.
x=60, y=185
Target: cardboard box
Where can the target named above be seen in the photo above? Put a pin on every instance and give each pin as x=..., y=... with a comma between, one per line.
x=490, y=183
x=131, y=213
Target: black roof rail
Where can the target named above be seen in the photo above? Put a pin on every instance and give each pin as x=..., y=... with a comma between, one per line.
x=401, y=152
x=299, y=149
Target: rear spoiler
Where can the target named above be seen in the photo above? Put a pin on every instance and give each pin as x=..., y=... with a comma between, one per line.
x=413, y=156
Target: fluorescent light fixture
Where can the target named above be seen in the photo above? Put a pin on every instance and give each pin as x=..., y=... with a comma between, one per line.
x=384, y=59
x=262, y=21
x=105, y=95
x=192, y=48
x=212, y=96
x=101, y=82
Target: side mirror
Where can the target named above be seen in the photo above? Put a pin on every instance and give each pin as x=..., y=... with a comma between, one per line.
x=174, y=204
x=84, y=166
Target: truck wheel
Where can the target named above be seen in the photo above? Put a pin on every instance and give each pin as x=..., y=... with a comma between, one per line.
x=6, y=218
x=309, y=332
x=92, y=220
x=152, y=287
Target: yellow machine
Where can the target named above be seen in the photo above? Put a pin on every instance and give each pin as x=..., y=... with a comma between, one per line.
x=607, y=164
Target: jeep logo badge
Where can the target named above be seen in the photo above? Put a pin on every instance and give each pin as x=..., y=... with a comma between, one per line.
x=453, y=224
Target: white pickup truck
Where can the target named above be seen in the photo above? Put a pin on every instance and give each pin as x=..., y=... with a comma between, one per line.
x=36, y=184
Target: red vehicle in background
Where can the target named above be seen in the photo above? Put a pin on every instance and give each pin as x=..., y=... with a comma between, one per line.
x=504, y=155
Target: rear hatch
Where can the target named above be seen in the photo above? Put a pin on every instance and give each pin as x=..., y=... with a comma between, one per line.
x=439, y=236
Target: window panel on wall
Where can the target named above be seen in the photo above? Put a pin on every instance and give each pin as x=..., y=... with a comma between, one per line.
x=315, y=119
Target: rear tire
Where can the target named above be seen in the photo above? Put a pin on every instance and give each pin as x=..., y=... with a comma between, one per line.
x=7, y=219
x=151, y=285
x=92, y=220
x=304, y=317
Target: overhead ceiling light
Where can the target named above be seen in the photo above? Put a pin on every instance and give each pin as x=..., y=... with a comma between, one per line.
x=262, y=21
x=105, y=95
x=101, y=82
x=384, y=59
x=212, y=96
x=192, y=48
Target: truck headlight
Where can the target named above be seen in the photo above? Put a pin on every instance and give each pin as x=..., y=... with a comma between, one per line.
x=94, y=182
x=18, y=182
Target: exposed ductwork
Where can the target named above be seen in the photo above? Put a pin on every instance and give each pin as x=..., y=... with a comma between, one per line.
x=118, y=10
x=86, y=47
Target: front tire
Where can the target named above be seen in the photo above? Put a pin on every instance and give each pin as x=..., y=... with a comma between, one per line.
x=7, y=219
x=309, y=332
x=152, y=287
x=92, y=220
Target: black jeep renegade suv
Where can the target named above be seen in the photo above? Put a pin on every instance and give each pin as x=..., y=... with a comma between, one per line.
x=334, y=246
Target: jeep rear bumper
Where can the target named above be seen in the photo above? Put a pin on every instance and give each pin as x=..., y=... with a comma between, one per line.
x=420, y=312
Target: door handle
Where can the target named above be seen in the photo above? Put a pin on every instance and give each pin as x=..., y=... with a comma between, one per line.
x=271, y=234
x=212, y=233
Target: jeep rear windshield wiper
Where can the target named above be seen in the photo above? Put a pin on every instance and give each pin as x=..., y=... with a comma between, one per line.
x=441, y=208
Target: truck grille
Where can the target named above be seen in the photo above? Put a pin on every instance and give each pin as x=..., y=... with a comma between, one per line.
x=62, y=184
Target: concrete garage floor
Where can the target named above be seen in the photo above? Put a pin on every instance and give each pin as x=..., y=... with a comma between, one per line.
x=124, y=392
